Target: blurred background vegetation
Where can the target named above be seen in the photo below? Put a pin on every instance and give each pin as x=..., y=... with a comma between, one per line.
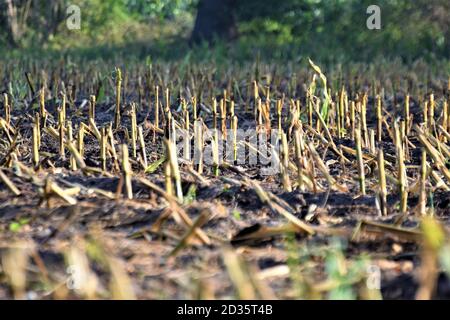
x=328, y=30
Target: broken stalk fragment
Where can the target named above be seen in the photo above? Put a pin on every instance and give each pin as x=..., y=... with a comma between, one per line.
x=8, y=183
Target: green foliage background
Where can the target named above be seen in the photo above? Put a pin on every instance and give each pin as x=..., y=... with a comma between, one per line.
x=329, y=30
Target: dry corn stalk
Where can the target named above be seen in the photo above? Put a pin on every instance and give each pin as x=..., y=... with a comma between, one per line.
x=382, y=180
x=126, y=172
x=361, y=174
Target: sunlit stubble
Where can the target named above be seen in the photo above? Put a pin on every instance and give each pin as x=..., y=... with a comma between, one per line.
x=445, y=120
x=198, y=144
x=259, y=122
x=35, y=146
x=407, y=115
x=7, y=108
x=214, y=109
x=284, y=164
x=126, y=172
x=382, y=195
x=174, y=169
x=402, y=182
x=142, y=146
x=379, y=119
x=279, y=110
x=42, y=103
x=365, y=133
x=337, y=109
x=103, y=142
x=341, y=111
x=223, y=118
x=423, y=180
x=235, y=136
x=299, y=158
x=425, y=114
x=255, y=99
x=133, y=129
x=118, y=92
x=431, y=113
x=81, y=140
x=112, y=141
x=167, y=96
x=37, y=122
x=362, y=183
x=372, y=141
x=187, y=137
x=63, y=106
x=92, y=108
x=72, y=162
x=157, y=107
x=215, y=152
x=194, y=108
x=352, y=118
x=61, y=135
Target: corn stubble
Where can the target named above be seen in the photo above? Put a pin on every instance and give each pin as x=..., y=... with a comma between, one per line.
x=332, y=137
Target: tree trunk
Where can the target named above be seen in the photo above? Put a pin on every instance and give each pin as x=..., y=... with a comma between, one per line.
x=11, y=24
x=215, y=18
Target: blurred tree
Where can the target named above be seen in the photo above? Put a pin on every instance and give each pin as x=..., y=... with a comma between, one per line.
x=23, y=19
x=332, y=28
x=215, y=18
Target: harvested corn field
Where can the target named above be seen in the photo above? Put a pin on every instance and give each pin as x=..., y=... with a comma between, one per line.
x=255, y=181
